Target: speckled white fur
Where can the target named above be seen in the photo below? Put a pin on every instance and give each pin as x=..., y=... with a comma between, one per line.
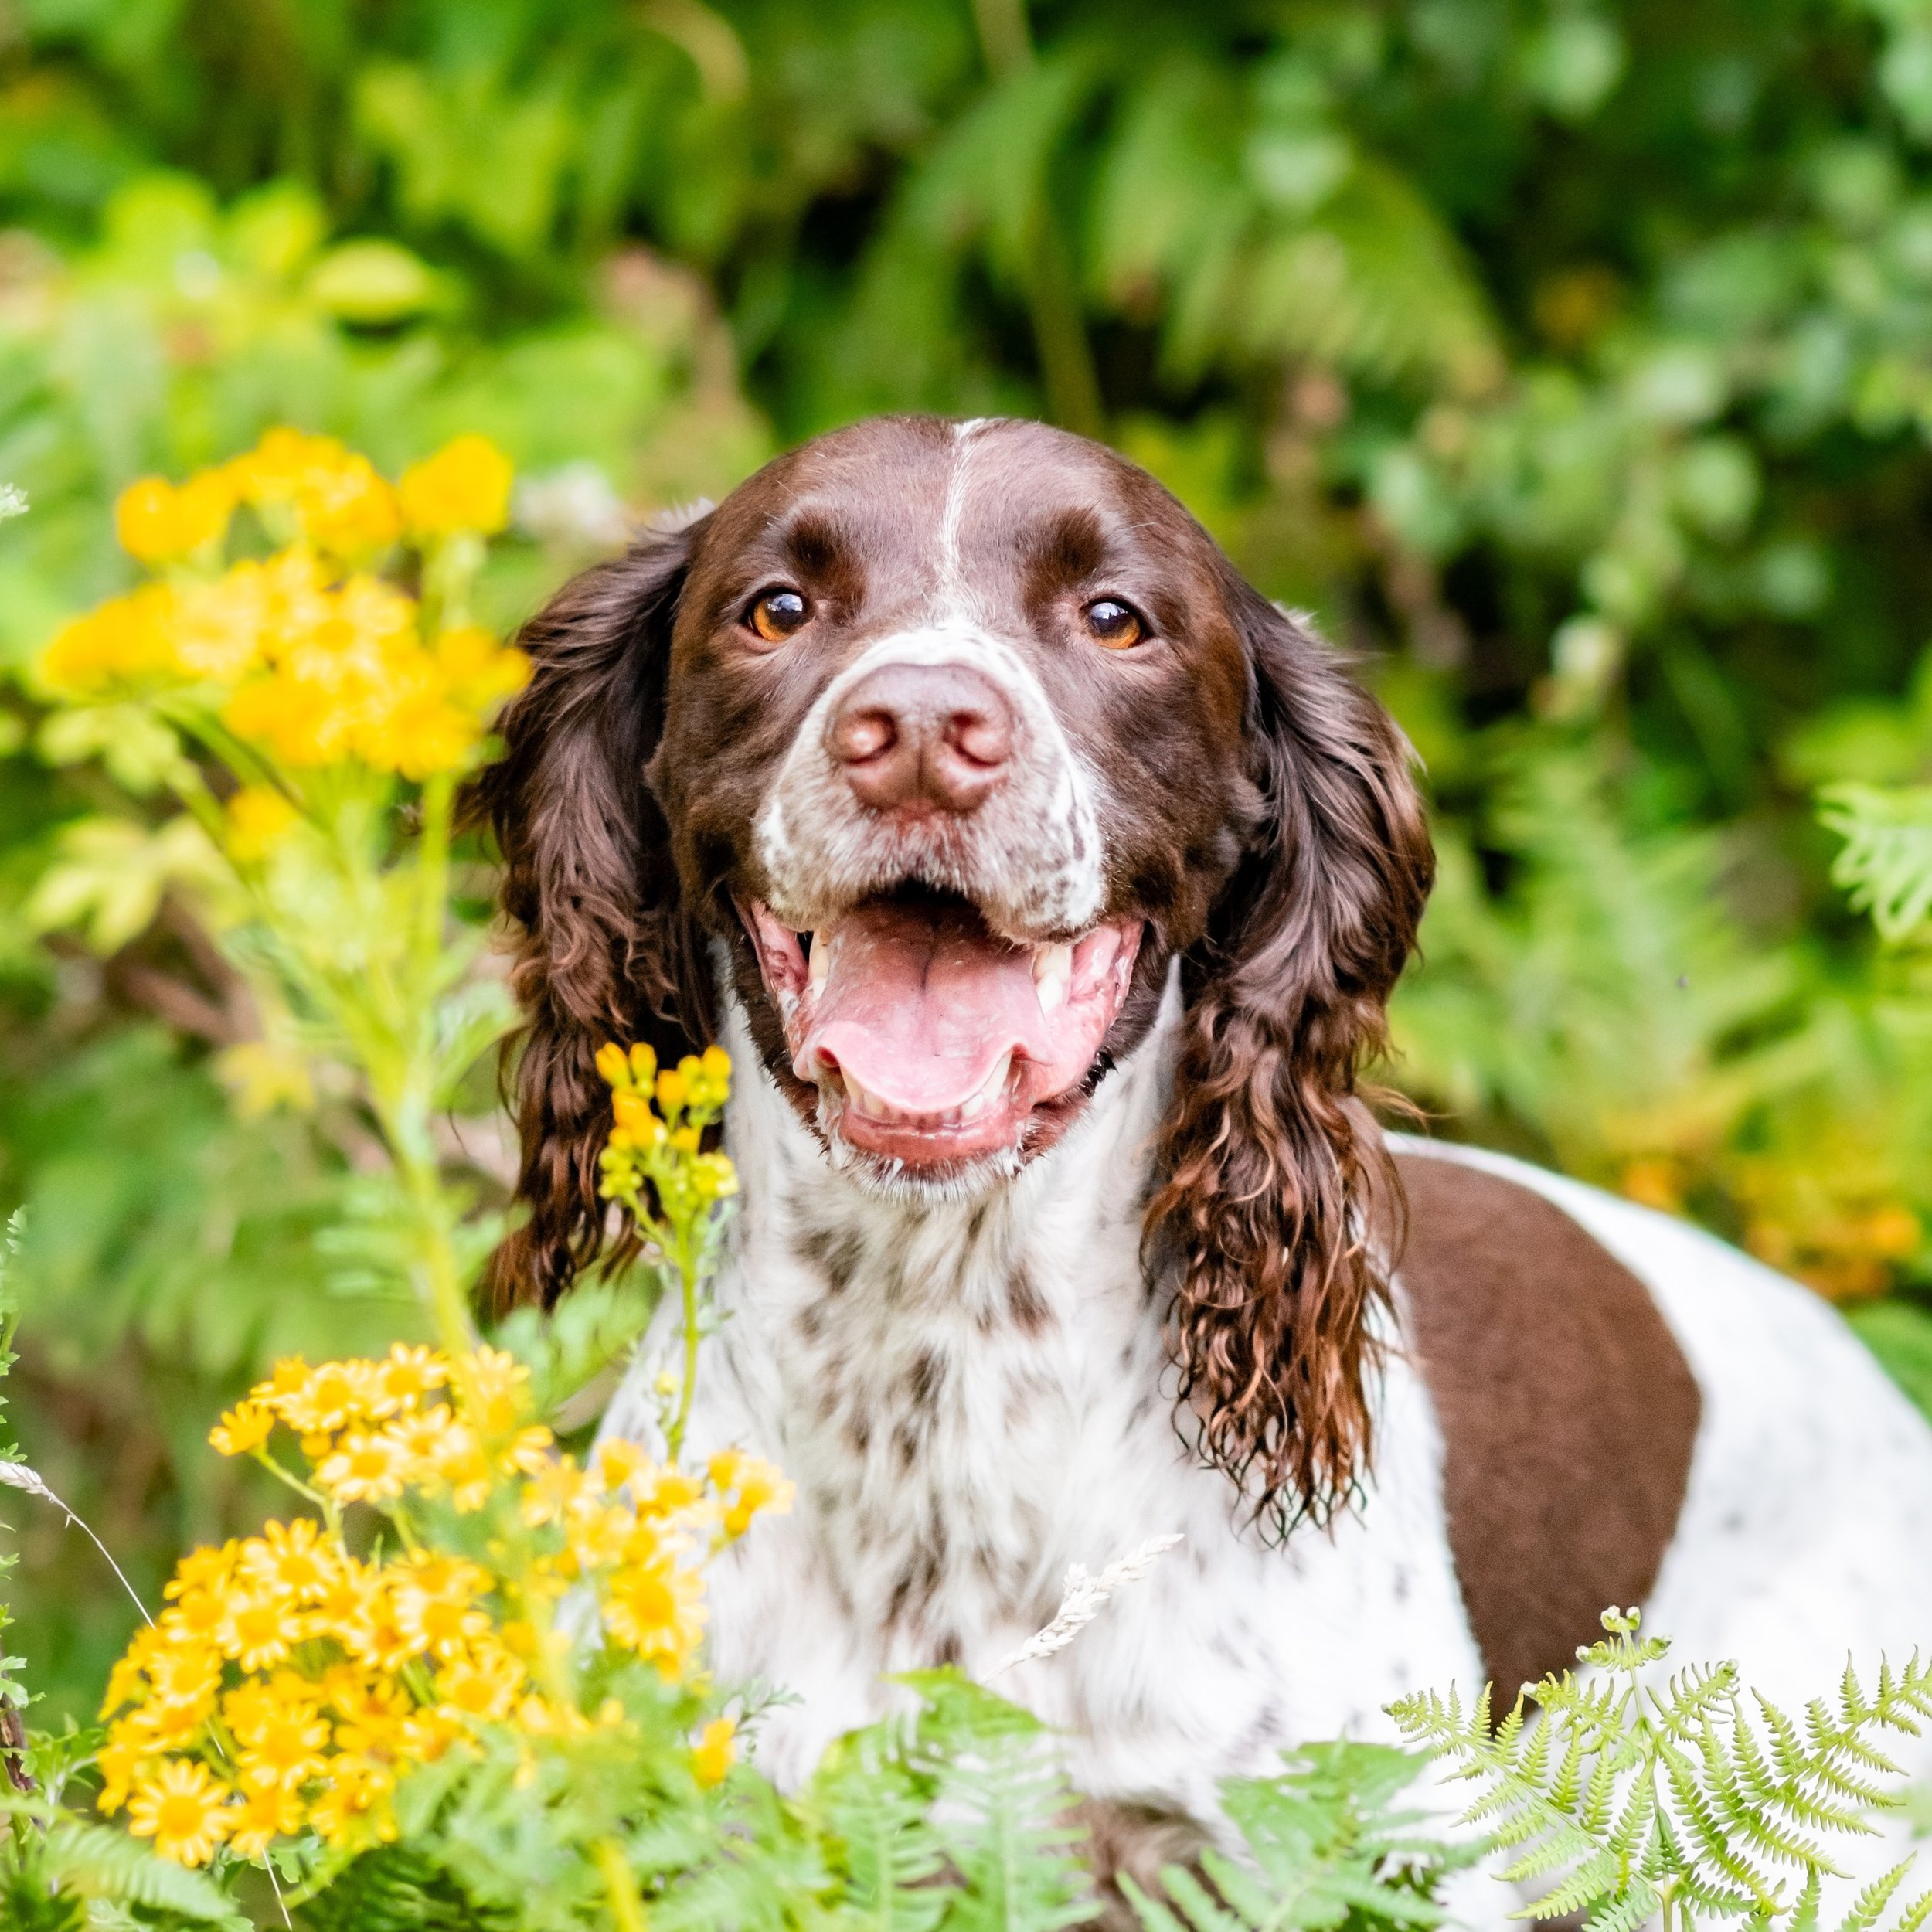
x=958, y=1441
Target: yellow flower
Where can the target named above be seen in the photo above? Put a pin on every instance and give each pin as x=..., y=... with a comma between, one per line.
x=326, y=1399
x=460, y=1464
x=482, y=1683
x=377, y=1636
x=259, y=818
x=465, y=486
x=434, y=1598
x=617, y=1461
x=260, y=1628
x=352, y=1809
x=182, y=1675
x=207, y=1568
x=127, y=639
x=529, y=1451
x=244, y=1427
x=157, y=523
x=183, y=1810
x=715, y=1751
x=267, y=1811
x=374, y=1708
x=366, y=1469
x=283, y=1747
x=346, y=1598
x=292, y=1557
x=655, y=1608
x=334, y=497
x=495, y=1386
x=120, y=1762
x=758, y=1485
x=405, y=1375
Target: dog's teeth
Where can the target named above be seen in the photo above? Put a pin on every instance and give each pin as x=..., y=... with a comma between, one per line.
x=819, y=959
x=991, y=1088
x=1052, y=968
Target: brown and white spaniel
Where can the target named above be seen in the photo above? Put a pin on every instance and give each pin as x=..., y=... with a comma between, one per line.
x=1047, y=884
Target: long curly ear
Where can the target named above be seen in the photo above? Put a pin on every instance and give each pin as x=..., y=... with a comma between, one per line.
x=607, y=949
x=1274, y=1165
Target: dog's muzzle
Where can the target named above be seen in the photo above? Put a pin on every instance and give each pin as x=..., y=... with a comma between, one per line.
x=932, y=936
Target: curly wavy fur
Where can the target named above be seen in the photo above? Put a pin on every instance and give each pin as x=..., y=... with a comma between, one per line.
x=1275, y=1172
x=606, y=949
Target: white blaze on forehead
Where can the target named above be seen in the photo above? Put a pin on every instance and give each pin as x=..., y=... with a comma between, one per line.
x=954, y=598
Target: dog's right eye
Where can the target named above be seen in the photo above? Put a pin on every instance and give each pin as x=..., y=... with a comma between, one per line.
x=776, y=614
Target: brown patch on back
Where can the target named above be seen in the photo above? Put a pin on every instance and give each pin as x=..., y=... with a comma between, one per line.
x=1568, y=1413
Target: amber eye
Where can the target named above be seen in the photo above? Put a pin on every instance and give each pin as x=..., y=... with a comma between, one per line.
x=776, y=614
x=1113, y=624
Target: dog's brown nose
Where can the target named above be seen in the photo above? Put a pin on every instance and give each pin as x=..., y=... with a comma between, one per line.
x=931, y=736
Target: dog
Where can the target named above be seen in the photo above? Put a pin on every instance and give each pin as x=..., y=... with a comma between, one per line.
x=1047, y=885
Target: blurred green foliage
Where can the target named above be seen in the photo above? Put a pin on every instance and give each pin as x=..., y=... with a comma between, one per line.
x=1572, y=360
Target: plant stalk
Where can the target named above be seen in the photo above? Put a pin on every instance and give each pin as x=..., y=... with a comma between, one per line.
x=1067, y=373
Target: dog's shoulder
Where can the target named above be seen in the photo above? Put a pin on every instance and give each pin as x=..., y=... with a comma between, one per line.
x=1568, y=1412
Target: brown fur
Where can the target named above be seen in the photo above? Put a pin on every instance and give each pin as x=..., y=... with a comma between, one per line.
x=1568, y=1413
x=1265, y=829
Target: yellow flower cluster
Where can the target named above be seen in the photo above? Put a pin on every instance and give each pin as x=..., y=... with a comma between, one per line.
x=289, y=1683
x=312, y=489
x=662, y=1143
x=308, y=654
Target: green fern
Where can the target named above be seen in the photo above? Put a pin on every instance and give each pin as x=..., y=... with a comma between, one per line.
x=1886, y=862
x=1001, y=1809
x=871, y=1807
x=1631, y=1803
x=1326, y=1847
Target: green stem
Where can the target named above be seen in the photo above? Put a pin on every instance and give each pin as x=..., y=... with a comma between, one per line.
x=620, y=1886
x=688, y=1284
x=1067, y=373
x=433, y=864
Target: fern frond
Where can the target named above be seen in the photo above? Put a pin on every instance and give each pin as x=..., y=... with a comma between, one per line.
x=98, y=1862
x=1624, y=1913
x=1868, y=1907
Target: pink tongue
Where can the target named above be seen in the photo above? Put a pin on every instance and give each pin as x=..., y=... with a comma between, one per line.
x=920, y=1005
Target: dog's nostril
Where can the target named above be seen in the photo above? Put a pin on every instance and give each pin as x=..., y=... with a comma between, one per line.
x=858, y=735
x=985, y=737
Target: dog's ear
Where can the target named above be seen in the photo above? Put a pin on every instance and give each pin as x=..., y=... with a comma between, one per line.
x=1274, y=1168
x=606, y=949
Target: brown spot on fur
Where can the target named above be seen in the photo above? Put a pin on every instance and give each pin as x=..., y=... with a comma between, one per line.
x=924, y=1382
x=1569, y=1414
x=1026, y=1304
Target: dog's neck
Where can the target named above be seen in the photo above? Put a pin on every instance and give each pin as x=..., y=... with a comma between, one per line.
x=949, y=1381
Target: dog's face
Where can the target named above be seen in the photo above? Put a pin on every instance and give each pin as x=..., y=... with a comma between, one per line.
x=954, y=753
x=958, y=735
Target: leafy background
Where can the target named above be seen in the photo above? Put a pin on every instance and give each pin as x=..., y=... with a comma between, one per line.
x=1572, y=360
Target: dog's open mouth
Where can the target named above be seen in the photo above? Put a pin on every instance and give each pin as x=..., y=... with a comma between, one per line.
x=930, y=1038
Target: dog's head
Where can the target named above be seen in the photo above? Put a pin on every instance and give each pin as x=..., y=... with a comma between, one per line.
x=956, y=735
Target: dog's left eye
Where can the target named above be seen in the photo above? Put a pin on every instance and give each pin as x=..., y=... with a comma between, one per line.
x=776, y=614
x=1113, y=624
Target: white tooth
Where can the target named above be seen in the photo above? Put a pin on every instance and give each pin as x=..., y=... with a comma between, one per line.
x=991, y=1088
x=820, y=959
x=1052, y=968
x=856, y=1096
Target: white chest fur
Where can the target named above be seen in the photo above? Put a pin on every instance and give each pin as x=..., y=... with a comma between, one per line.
x=972, y=1396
